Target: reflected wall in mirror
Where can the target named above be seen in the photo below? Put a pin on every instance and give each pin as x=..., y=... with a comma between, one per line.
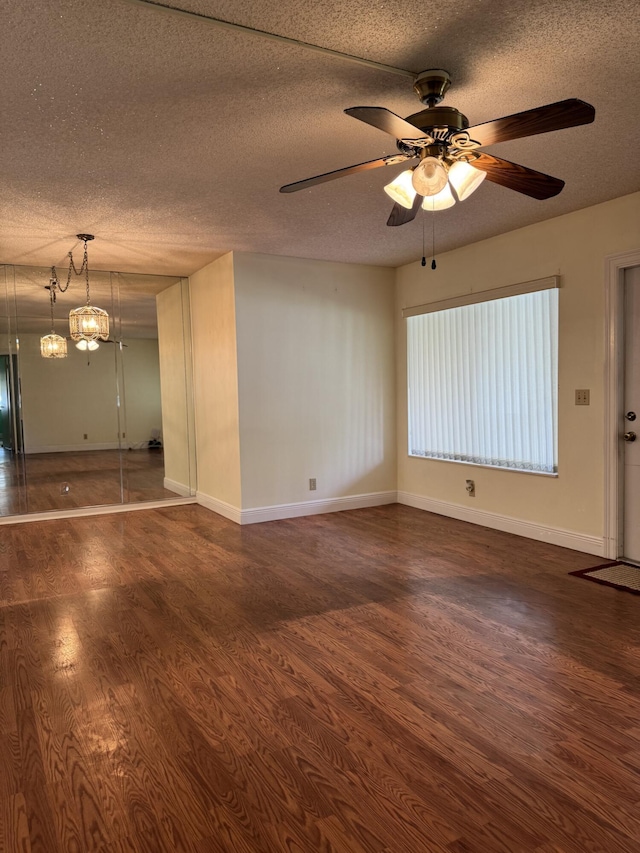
x=97, y=427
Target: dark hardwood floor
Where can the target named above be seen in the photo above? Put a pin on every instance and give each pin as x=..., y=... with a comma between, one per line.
x=367, y=681
x=41, y=482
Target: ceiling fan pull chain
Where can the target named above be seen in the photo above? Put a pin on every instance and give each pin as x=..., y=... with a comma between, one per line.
x=433, y=240
x=423, y=262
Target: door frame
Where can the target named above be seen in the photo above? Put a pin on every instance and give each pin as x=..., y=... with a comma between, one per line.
x=615, y=265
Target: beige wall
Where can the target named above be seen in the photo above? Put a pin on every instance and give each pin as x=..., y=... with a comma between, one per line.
x=140, y=390
x=174, y=346
x=316, y=379
x=62, y=399
x=573, y=246
x=215, y=379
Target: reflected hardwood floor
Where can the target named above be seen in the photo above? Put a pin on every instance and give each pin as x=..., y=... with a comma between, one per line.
x=37, y=482
x=377, y=681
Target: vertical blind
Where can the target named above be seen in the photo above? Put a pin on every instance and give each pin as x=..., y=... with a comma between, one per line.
x=483, y=380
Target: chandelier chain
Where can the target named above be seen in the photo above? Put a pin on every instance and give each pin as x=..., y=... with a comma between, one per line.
x=83, y=269
x=52, y=299
x=55, y=285
x=85, y=264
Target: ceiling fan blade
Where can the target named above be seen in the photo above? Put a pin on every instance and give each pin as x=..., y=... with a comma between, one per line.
x=387, y=121
x=569, y=113
x=348, y=170
x=400, y=215
x=518, y=178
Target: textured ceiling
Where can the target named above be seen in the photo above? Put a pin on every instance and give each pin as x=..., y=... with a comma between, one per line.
x=168, y=137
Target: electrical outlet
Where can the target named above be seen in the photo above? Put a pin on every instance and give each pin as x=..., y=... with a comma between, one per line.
x=471, y=488
x=312, y=484
x=582, y=397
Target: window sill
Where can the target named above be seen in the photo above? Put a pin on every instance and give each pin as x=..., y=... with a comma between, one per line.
x=552, y=474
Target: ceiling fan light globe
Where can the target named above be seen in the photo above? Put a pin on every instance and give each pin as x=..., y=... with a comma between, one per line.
x=440, y=201
x=85, y=345
x=465, y=179
x=429, y=177
x=401, y=189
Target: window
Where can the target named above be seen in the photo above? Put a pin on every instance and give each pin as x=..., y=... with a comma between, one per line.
x=483, y=378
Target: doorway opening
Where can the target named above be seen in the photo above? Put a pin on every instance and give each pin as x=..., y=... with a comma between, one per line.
x=10, y=424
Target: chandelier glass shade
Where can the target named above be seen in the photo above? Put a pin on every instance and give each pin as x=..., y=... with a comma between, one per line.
x=88, y=323
x=53, y=346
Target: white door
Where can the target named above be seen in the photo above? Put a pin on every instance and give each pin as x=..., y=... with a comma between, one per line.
x=630, y=426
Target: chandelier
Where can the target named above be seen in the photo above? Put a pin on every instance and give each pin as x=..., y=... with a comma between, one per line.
x=87, y=323
x=53, y=346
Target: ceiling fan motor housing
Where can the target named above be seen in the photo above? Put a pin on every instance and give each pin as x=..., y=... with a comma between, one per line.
x=439, y=121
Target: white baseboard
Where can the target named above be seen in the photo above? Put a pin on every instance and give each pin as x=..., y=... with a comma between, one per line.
x=226, y=510
x=178, y=488
x=79, y=512
x=72, y=448
x=495, y=521
x=552, y=535
x=295, y=510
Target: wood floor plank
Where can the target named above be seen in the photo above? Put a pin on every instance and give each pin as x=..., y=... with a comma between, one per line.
x=14, y=825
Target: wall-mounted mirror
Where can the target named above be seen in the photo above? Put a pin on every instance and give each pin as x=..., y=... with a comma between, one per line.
x=101, y=426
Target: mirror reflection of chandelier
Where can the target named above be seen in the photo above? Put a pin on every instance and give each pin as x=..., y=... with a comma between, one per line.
x=53, y=346
x=84, y=345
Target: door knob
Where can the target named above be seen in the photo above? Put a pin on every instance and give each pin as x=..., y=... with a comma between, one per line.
x=629, y=436
x=630, y=416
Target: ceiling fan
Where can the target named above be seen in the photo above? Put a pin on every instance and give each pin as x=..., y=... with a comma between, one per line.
x=451, y=165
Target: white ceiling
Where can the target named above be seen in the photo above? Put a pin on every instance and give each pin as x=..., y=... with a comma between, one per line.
x=168, y=137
